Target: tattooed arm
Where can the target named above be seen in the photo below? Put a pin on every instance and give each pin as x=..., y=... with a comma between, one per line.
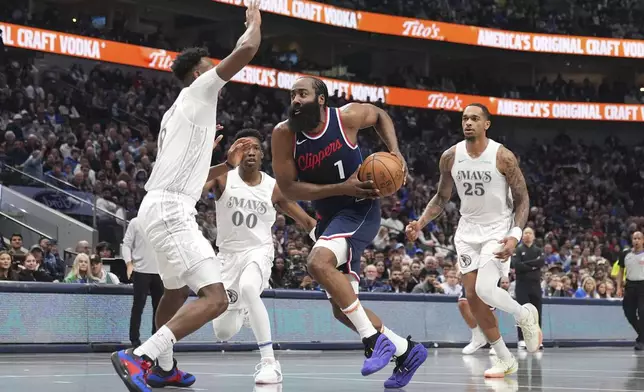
x=437, y=204
x=509, y=167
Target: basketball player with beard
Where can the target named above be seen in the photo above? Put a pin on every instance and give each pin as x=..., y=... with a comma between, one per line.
x=494, y=210
x=316, y=157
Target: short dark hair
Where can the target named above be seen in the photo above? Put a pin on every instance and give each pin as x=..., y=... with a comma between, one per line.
x=101, y=246
x=320, y=88
x=186, y=61
x=250, y=132
x=95, y=259
x=486, y=111
x=16, y=235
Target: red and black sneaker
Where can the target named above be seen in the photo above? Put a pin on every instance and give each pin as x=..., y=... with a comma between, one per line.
x=132, y=369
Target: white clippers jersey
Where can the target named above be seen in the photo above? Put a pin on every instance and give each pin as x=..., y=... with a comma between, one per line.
x=245, y=214
x=186, y=139
x=484, y=192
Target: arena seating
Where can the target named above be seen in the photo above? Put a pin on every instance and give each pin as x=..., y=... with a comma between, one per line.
x=94, y=130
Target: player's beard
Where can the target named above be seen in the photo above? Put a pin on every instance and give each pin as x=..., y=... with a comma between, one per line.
x=307, y=119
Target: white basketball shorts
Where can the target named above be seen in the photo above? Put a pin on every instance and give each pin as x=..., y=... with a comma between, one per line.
x=233, y=265
x=185, y=256
x=476, y=244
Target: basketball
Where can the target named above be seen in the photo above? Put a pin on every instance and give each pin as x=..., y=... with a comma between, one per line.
x=385, y=170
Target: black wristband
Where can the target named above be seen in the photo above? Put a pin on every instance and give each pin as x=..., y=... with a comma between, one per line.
x=231, y=167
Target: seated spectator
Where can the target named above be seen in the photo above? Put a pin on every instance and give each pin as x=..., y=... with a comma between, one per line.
x=99, y=273
x=371, y=283
x=603, y=292
x=566, y=284
x=555, y=287
x=32, y=271
x=397, y=282
x=81, y=272
x=587, y=289
x=103, y=250
x=414, y=276
x=82, y=247
x=430, y=283
x=52, y=263
x=382, y=271
x=451, y=285
x=6, y=271
x=279, y=275
x=16, y=245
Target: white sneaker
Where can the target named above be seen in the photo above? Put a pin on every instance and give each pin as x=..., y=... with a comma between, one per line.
x=268, y=371
x=530, y=327
x=478, y=341
x=473, y=347
x=492, y=351
x=501, y=368
x=521, y=345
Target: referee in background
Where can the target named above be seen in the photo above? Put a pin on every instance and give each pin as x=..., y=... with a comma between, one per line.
x=143, y=272
x=633, y=304
x=527, y=261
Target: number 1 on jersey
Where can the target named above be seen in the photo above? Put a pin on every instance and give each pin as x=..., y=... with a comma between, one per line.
x=340, y=169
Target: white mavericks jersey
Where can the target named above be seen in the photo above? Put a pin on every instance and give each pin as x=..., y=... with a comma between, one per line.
x=483, y=190
x=186, y=139
x=245, y=214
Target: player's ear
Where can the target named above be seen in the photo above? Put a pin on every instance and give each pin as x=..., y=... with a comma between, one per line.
x=321, y=100
x=488, y=124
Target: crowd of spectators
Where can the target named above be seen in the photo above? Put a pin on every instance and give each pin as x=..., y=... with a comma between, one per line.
x=601, y=18
x=489, y=12
x=95, y=132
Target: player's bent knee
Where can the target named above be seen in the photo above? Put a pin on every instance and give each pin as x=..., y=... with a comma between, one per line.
x=320, y=259
x=484, y=291
x=216, y=297
x=224, y=331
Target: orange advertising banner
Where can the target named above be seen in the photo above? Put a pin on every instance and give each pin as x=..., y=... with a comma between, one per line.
x=161, y=60
x=450, y=32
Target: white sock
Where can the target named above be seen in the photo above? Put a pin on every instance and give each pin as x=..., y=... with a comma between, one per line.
x=166, y=359
x=477, y=334
x=266, y=350
x=250, y=284
x=487, y=289
x=400, y=343
x=358, y=317
x=501, y=349
x=160, y=342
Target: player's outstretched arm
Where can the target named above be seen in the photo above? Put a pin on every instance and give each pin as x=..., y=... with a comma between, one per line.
x=509, y=167
x=357, y=116
x=247, y=45
x=292, y=209
x=437, y=204
x=286, y=174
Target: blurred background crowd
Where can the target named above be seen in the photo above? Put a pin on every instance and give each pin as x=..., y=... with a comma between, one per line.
x=91, y=128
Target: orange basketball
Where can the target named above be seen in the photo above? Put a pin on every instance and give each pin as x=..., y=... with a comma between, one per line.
x=385, y=170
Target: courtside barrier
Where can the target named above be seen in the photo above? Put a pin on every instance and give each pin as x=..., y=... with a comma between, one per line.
x=77, y=317
x=449, y=32
x=161, y=60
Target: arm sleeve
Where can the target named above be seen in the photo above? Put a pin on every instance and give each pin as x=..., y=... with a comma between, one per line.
x=622, y=258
